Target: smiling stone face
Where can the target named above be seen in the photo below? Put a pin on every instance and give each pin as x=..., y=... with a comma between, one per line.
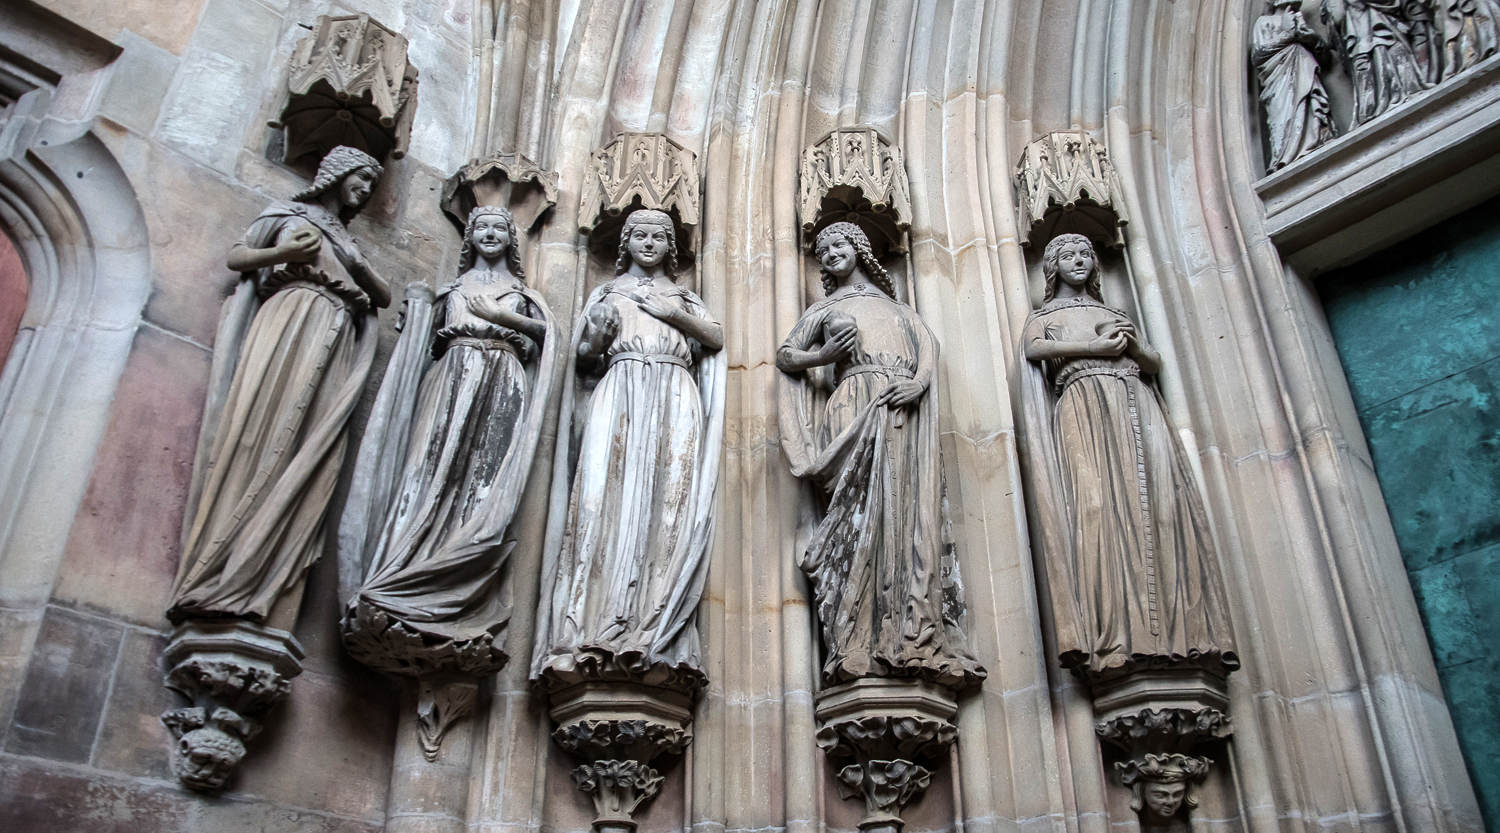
x=1164, y=799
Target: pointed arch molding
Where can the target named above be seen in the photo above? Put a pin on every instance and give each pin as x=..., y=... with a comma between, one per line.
x=81, y=234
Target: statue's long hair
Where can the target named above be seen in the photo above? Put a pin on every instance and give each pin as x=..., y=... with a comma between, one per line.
x=339, y=163
x=856, y=236
x=648, y=217
x=1050, y=268
x=467, y=256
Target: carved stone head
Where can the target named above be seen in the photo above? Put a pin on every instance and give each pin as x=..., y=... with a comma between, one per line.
x=350, y=172
x=208, y=747
x=838, y=237
x=648, y=238
x=1071, y=258
x=1161, y=784
x=489, y=229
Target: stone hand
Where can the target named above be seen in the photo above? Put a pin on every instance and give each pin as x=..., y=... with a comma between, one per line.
x=602, y=326
x=302, y=246
x=654, y=305
x=901, y=394
x=839, y=347
x=490, y=309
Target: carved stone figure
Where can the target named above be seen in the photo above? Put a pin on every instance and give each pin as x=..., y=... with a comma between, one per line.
x=859, y=419
x=1159, y=784
x=293, y=350
x=349, y=83
x=645, y=420
x=1468, y=32
x=429, y=532
x=1284, y=49
x=294, y=346
x=627, y=555
x=1373, y=40
x=1134, y=579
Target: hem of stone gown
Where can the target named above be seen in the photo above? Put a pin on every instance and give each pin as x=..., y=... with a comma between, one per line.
x=1094, y=669
x=596, y=663
x=956, y=673
x=391, y=645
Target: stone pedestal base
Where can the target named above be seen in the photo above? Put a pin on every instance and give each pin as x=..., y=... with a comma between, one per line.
x=618, y=728
x=234, y=672
x=889, y=734
x=1157, y=717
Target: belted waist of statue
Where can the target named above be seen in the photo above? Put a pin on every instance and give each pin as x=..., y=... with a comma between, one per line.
x=648, y=358
x=483, y=344
x=1074, y=371
x=882, y=369
x=340, y=292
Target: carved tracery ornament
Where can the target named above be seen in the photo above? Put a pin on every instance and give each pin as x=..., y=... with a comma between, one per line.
x=1066, y=183
x=853, y=174
x=349, y=84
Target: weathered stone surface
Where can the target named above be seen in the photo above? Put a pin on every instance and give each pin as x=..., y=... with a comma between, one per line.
x=62, y=699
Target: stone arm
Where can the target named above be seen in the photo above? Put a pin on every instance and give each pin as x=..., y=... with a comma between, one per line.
x=491, y=310
x=707, y=332
x=377, y=287
x=301, y=246
x=601, y=325
x=793, y=359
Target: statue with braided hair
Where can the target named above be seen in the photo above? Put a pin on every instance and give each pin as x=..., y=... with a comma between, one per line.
x=638, y=449
x=294, y=347
x=859, y=419
x=1131, y=566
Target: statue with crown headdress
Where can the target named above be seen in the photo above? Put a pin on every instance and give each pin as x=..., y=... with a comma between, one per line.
x=444, y=462
x=294, y=347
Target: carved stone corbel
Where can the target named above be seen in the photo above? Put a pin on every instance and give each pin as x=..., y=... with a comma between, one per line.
x=639, y=170
x=233, y=672
x=1066, y=185
x=506, y=180
x=349, y=84
x=855, y=175
x=1158, y=718
x=890, y=733
x=618, y=728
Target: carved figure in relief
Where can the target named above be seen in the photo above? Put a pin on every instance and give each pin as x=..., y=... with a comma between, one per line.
x=639, y=445
x=1468, y=31
x=859, y=418
x=1373, y=38
x=1134, y=579
x=293, y=349
x=1160, y=784
x=1284, y=49
x=437, y=536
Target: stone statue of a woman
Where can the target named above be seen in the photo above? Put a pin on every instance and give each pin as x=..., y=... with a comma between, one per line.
x=1469, y=32
x=293, y=350
x=1134, y=578
x=1285, y=52
x=858, y=406
x=1373, y=38
x=429, y=533
x=639, y=446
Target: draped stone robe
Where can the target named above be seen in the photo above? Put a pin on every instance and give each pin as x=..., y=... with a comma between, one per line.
x=625, y=570
x=881, y=562
x=1293, y=97
x=294, y=347
x=1133, y=575
x=431, y=544
x=1373, y=37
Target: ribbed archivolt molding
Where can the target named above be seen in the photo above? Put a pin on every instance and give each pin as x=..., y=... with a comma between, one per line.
x=1339, y=719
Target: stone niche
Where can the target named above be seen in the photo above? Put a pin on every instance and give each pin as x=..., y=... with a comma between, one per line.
x=348, y=83
x=1066, y=185
x=854, y=174
x=639, y=170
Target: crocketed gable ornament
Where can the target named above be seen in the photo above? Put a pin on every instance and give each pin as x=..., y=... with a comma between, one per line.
x=349, y=84
x=1066, y=184
x=638, y=170
x=854, y=175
